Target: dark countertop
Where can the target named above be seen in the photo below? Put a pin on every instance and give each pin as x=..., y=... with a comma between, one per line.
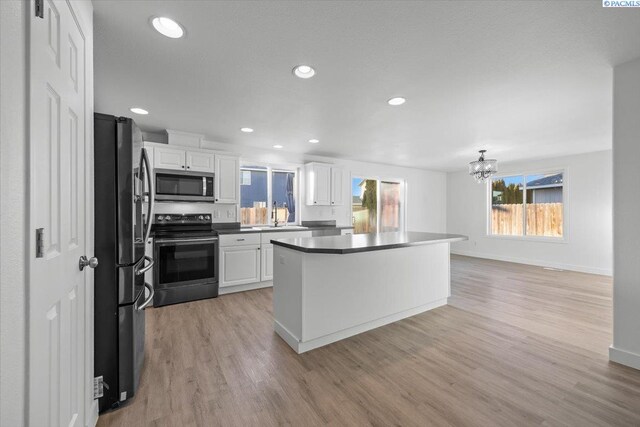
x=356, y=243
x=222, y=228
x=288, y=228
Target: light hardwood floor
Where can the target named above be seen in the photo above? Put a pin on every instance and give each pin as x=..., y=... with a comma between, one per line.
x=517, y=345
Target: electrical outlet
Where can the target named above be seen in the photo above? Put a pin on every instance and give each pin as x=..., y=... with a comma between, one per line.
x=216, y=214
x=229, y=213
x=333, y=211
x=282, y=259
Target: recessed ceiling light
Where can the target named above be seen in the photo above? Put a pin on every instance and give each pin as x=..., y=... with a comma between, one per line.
x=314, y=141
x=167, y=27
x=304, y=71
x=278, y=146
x=396, y=101
x=246, y=130
x=139, y=110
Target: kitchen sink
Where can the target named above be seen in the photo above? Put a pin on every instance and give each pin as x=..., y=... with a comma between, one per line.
x=281, y=227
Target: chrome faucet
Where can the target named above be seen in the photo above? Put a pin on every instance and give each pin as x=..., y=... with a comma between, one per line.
x=274, y=214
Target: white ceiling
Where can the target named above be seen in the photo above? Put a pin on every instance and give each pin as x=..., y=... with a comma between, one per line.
x=523, y=79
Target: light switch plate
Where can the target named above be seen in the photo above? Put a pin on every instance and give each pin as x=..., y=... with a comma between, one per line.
x=282, y=259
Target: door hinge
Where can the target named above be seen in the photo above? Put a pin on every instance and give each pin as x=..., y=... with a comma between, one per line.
x=40, y=8
x=39, y=242
x=98, y=387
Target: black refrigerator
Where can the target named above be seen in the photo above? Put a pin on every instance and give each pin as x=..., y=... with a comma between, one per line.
x=123, y=212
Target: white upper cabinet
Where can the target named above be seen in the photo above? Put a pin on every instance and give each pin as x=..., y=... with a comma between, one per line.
x=200, y=162
x=325, y=184
x=227, y=179
x=337, y=186
x=168, y=158
x=318, y=184
x=173, y=158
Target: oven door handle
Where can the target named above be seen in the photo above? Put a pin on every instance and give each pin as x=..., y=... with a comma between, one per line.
x=146, y=267
x=208, y=239
x=148, y=301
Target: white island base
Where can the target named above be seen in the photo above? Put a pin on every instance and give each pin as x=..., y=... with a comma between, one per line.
x=321, y=298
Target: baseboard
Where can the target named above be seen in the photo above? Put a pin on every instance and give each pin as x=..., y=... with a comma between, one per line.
x=242, y=288
x=624, y=357
x=286, y=335
x=527, y=261
x=301, y=347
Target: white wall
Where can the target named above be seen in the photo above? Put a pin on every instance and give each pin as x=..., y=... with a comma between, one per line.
x=426, y=190
x=13, y=201
x=626, y=206
x=588, y=216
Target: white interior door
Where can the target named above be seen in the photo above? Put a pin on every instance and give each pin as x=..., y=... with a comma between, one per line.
x=61, y=184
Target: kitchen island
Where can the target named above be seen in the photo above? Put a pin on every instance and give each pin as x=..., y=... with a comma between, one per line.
x=329, y=288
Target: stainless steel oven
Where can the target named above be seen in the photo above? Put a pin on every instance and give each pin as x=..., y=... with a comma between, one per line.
x=186, y=269
x=184, y=186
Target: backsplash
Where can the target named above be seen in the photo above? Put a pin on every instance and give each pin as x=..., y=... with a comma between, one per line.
x=219, y=213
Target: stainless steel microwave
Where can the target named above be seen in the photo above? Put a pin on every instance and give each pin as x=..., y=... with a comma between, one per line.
x=183, y=186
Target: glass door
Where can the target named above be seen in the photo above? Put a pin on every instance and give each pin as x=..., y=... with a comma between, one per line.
x=390, y=206
x=364, y=205
x=376, y=205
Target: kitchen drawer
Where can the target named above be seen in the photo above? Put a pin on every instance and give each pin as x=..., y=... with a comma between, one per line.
x=267, y=237
x=239, y=239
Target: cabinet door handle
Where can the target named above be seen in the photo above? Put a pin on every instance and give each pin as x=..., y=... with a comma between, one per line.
x=239, y=240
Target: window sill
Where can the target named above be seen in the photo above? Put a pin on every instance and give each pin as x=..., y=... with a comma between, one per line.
x=537, y=239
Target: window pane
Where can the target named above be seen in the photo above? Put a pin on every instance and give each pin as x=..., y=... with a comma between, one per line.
x=389, y=206
x=365, y=205
x=253, y=197
x=282, y=193
x=507, y=206
x=545, y=205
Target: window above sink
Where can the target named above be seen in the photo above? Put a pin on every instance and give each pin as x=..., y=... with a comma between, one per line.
x=260, y=187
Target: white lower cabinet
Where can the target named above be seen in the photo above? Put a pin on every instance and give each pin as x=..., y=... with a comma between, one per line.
x=247, y=259
x=267, y=262
x=239, y=265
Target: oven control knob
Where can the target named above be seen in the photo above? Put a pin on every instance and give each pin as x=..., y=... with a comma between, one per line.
x=160, y=217
x=207, y=217
x=168, y=218
x=201, y=217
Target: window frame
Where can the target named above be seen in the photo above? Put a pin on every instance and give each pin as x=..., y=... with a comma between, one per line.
x=379, y=179
x=525, y=237
x=270, y=168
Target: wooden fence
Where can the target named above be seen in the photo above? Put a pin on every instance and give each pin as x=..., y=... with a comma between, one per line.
x=543, y=219
x=258, y=216
x=361, y=222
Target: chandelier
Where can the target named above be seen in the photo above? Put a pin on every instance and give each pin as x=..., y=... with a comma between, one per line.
x=482, y=169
